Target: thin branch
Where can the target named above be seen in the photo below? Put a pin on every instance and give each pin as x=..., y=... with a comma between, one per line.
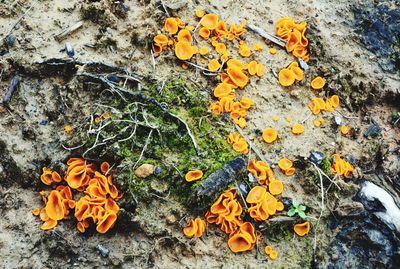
x=144, y=149
x=19, y=20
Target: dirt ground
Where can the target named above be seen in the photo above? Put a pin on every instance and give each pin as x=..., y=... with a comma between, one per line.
x=32, y=130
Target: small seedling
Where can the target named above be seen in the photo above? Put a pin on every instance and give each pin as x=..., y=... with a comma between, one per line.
x=298, y=209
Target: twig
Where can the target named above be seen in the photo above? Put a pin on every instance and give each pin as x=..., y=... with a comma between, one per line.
x=63, y=34
x=68, y=148
x=256, y=151
x=199, y=67
x=187, y=129
x=11, y=89
x=176, y=168
x=152, y=59
x=344, y=116
x=319, y=170
x=144, y=148
x=241, y=195
x=165, y=8
x=322, y=210
x=306, y=118
x=19, y=20
x=278, y=41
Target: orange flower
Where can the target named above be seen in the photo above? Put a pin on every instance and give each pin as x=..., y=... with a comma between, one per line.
x=302, y=229
x=269, y=135
x=193, y=175
x=318, y=83
x=183, y=50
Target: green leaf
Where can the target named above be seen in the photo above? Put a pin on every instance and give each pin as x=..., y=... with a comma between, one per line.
x=302, y=208
x=295, y=203
x=302, y=214
x=291, y=212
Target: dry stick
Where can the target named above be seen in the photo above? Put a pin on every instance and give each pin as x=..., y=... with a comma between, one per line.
x=63, y=34
x=325, y=175
x=144, y=148
x=306, y=118
x=153, y=60
x=199, y=67
x=278, y=41
x=68, y=148
x=19, y=20
x=256, y=151
x=322, y=210
x=165, y=8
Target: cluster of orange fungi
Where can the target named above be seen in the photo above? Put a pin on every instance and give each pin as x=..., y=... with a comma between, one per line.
x=263, y=203
x=238, y=143
x=261, y=171
x=97, y=203
x=195, y=228
x=287, y=76
x=318, y=104
x=341, y=167
x=294, y=35
x=286, y=166
x=271, y=252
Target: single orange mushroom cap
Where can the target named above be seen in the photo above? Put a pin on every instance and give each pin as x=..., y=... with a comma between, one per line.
x=302, y=229
x=106, y=223
x=204, y=32
x=193, y=175
x=286, y=77
x=48, y=224
x=183, y=50
x=210, y=21
x=214, y=65
x=184, y=35
x=318, y=83
x=55, y=208
x=237, y=76
x=256, y=195
x=171, y=26
x=275, y=187
x=297, y=129
x=269, y=135
x=223, y=89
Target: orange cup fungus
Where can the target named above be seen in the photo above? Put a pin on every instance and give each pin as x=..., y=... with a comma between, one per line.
x=341, y=167
x=204, y=32
x=297, y=129
x=261, y=171
x=50, y=177
x=195, y=228
x=209, y=21
x=237, y=76
x=226, y=212
x=344, y=129
x=183, y=50
x=318, y=83
x=302, y=229
x=222, y=90
x=286, y=166
x=171, y=26
x=263, y=203
x=214, y=65
x=200, y=13
x=318, y=104
x=286, y=77
x=193, y=175
x=272, y=253
x=238, y=143
x=97, y=204
x=270, y=135
x=243, y=239
x=294, y=35
x=184, y=35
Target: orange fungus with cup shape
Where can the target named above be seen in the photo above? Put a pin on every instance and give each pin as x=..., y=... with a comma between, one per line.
x=237, y=76
x=252, y=68
x=275, y=187
x=286, y=77
x=243, y=239
x=36, y=211
x=193, y=175
x=334, y=101
x=302, y=229
x=171, y=26
x=222, y=90
x=273, y=255
x=195, y=228
x=161, y=40
x=106, y=223
x=297, y=129
x=204, y=32
x=55, y=208
x=214, y=65
x=344, y=129
x=183, y=50
x=285, y=164
x=318, y=83
x=200, y=13
x=48, y=224
x=269, y=135
x=210, y=21
x=184, y=35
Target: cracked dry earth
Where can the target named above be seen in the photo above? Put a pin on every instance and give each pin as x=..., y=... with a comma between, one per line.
x=32, y=134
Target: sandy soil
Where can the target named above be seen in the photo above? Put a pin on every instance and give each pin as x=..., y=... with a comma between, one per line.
x=32, y=133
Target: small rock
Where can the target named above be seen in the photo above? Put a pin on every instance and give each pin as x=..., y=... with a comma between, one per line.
x=69, y=49
x=103, y=250
x=171, y=219
x=10, y=40
x=157, y=170
x=338, y=120
x=144, y=170
x=316, y=157
x=334, y=257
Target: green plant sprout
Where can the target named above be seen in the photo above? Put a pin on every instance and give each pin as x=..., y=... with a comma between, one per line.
x=298, y=209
